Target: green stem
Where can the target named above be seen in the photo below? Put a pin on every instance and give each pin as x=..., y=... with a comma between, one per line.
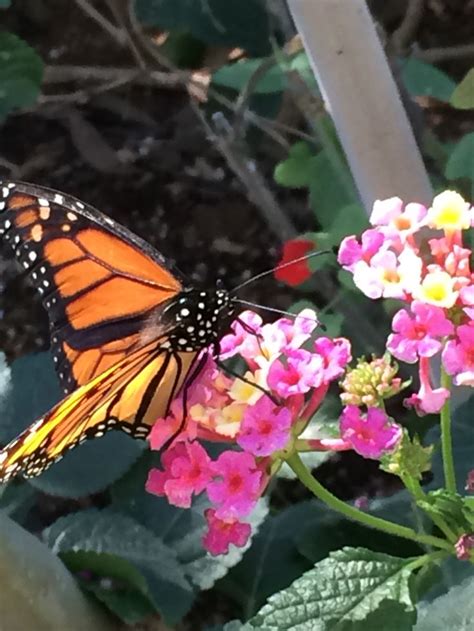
x=413, y=487
x=431, y=557
x=446, y=438
x=295, y=462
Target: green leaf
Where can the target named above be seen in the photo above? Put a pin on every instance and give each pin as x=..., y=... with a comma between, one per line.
x=35, y=376
x=450, y=507
x=114, y=581
x=410, y=458
x=351, y=219
x=237, y=75
x=90, y=467
x=180, y=529
x=87, y=469
x=121, y=543
x=276, y=546
x=454, y=610
x=16, y=501
x=311, y=459
x=327, y=194
x=451, y=574
x=21, y=71
x=463, y=96
x=130, y=606
x=342, y=592
x=300, y=64
x=422, y=79
x=332, y=321
x=233, y=625
x=461, y=161
x=330, y=531
x=296, y=171
x=243, y=23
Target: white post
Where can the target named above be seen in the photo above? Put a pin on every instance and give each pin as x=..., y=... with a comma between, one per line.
x=353, y=74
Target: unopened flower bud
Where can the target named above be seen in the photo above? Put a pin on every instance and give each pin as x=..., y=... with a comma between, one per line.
x=370, y=382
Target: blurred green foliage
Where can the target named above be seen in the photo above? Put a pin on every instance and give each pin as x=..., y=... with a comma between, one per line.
x=21, y=71
x=231, y=23
x=463, y=96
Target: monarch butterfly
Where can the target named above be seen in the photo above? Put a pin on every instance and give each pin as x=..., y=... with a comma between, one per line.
x=126, y=333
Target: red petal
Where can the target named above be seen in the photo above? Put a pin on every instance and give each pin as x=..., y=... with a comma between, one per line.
x=298, y=272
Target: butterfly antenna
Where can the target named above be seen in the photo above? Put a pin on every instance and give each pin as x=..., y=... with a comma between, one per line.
x=278, y=267
x=247, y=303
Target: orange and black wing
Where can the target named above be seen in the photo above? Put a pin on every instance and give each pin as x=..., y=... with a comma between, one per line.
x=129, y=396
x=99, y=282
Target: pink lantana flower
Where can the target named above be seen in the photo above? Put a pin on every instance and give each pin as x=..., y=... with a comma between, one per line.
x=186, y=472
x=418, y=334
x=428, y=400
x=467, y=295
x=398, y=222
x=336, y=354
x=300, y=372
x=237, y=412
x=236, y=486
x=265, y=428
x=371, y=434
x=389, y=275
x=240, y=341
x=351, y=251
x=222, y=532
x=458, y=356
x=464, y=546
x=299, y=330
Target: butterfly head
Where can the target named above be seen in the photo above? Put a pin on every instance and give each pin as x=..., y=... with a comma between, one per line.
x=199, y=318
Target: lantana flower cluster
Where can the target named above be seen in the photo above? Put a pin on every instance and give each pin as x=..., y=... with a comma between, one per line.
x=416, y=254
x=258, y=418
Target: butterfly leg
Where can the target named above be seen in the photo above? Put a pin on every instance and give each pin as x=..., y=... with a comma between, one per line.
x=230, y=372
x=194, y=373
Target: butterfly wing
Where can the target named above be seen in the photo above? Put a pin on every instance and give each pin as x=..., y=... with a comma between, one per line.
x=130, y=396
x=99, y=281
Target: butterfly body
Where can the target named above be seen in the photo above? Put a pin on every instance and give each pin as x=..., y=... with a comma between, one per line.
x=126, y=333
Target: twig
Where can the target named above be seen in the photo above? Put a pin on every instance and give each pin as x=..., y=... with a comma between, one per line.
x=191, y=83
x=293, y=131
x=13, y=168
x=116, y=33
x=242, y=100
x=405, y=33
x=64, y=74
x=434, y=55
x=82, y=96
x=245, y=169
x=146, y=44
x=121, y=18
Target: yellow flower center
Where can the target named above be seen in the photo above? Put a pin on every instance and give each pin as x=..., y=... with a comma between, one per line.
x=449, y=212
x=437, y=289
